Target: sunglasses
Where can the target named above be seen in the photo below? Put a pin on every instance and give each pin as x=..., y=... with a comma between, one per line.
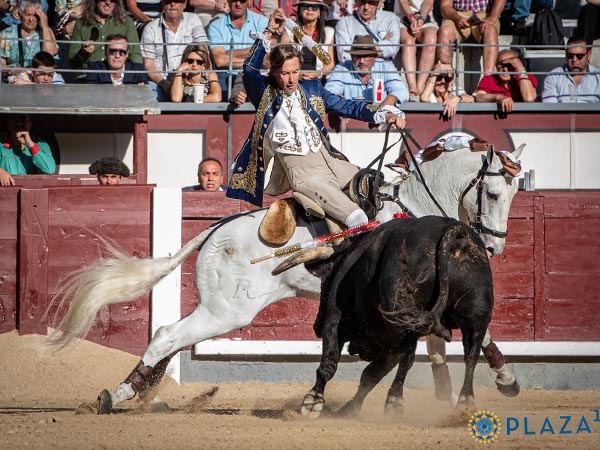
x=196, y=61
x=311, y=7
x=575, y=55
x=506, y=66
x=444, y=78
x=106, y=1
x=117, y=51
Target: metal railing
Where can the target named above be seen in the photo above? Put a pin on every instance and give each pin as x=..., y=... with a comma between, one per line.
x=459, y=50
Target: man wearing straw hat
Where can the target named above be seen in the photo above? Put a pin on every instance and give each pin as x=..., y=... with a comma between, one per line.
x=355, y=79
x=289, y=127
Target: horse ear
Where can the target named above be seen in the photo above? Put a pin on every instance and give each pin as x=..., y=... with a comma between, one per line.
x=517, y=152
x=493, y=160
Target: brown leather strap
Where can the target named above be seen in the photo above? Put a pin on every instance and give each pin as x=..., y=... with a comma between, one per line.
x=494, y=356
x=140, y=377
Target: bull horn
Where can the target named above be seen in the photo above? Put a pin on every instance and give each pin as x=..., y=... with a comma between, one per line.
x=303, y=256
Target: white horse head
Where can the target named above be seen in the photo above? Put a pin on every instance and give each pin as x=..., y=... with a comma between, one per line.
x=469, y=186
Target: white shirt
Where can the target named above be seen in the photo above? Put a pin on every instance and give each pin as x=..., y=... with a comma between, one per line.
x=292, y=131
x=190, y=31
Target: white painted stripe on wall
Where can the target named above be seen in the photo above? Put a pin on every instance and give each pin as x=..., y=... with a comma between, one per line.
x=313, y=348
x=166, y=241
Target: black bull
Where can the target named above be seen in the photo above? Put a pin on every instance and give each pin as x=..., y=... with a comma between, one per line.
x=404, y=280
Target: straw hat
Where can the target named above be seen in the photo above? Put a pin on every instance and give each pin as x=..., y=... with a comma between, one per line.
x=363, y=46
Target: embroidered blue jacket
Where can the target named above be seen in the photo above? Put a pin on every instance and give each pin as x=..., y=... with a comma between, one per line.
x=248, y=177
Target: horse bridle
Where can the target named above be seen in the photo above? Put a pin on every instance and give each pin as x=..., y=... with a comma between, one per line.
x=478, y=181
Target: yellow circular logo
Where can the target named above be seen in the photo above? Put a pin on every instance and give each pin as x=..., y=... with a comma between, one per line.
x=484, y=426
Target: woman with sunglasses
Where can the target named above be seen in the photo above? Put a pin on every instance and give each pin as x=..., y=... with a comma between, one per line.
x=440, y=88
x=195, y=68
x=311, y=18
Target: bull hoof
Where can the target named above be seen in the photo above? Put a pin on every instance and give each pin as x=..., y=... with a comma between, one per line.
x=394, y=408
x=350, y=409
x=312, y=405
x=509, y=390
x=104, y=402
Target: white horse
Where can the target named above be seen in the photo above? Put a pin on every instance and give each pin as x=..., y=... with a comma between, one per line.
x=231, y=291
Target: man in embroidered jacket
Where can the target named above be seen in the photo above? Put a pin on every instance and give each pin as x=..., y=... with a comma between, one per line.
x=289, y=126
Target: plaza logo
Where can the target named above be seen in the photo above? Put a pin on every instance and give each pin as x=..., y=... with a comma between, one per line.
x=485, y=426
x=553, y=425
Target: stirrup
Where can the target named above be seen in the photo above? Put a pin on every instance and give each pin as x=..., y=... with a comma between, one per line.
x=363, y=193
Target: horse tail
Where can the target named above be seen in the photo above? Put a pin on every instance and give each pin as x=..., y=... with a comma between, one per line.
x=118, y=279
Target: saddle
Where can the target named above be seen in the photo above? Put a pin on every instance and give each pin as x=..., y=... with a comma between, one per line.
x=279, y=223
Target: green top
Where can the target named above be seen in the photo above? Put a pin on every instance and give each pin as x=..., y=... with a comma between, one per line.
x=83, y=32
x=18, y=162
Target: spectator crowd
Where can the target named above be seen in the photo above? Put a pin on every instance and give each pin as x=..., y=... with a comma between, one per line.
x=193, y=50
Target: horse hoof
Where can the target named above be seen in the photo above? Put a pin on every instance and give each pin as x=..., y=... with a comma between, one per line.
x=312, y=405
x=104, y=402
x=509, y=390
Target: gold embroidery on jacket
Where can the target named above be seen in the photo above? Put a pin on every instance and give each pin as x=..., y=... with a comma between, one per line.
x=373, y=108
x=318, y=105
x=247, y=179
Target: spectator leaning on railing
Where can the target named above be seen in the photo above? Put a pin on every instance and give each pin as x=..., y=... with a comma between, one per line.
x=505, y=88
x=117, y=59
x=577, y=81
x=19, y=43
x=21, y=152
x=43, y=66
x=354, y=79
x=101, y=18
x=163, y=42
x=440, y=88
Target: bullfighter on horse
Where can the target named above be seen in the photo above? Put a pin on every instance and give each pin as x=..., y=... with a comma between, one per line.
x=289, y=126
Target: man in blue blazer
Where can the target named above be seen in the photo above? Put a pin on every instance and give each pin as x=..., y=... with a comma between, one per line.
x=289, y=127
x=116, y=58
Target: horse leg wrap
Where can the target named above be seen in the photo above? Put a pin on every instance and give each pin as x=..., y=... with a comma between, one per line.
x=148, y=393
x=140, y=377
x=494, y=356
x=442, y=382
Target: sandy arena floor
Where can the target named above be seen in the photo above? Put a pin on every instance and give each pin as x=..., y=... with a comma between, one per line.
x=47, y=402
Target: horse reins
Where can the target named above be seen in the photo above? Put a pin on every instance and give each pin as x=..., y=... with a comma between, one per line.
x=478, y=181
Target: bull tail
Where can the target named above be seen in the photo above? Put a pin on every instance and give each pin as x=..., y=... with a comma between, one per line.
x=118, y=279
x=404, y=314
